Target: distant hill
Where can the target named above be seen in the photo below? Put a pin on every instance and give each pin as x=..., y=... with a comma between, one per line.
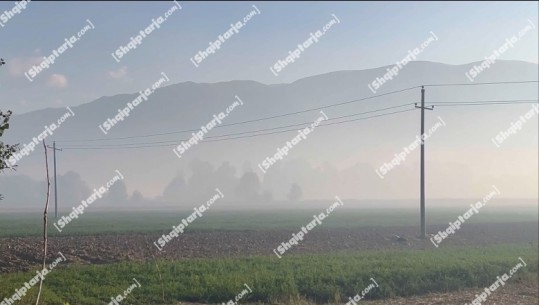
x=353, y=149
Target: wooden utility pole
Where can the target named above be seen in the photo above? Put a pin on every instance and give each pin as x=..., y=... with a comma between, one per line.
x=54, y=149
x=423, y=232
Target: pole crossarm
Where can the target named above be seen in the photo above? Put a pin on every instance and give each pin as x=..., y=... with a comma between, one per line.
x=54, y=148
x=425, y=107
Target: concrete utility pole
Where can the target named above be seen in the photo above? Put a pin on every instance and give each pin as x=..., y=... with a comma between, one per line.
x=423, y=233
x=54, y=149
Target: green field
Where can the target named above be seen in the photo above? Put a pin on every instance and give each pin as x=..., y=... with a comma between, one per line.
x=25, y=224
x=319, y=278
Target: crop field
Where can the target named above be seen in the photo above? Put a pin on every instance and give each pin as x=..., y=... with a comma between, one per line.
x=224, y=252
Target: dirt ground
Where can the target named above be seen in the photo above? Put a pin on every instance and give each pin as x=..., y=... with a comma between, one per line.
x=20, y=253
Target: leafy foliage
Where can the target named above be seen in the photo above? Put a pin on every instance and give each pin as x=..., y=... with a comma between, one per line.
x=6, y=150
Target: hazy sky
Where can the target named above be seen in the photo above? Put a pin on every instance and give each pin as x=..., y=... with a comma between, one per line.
x=369, y=35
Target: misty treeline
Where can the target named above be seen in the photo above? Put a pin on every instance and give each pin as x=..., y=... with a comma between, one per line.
x=195, y=184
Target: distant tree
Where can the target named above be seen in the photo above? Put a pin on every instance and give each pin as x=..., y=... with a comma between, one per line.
x=226, y=180
x=295, y=192
x=175, y=189
x=202, y=180
x=248, y=187
x=137, y=197
x=74, y=189
x=118, y=192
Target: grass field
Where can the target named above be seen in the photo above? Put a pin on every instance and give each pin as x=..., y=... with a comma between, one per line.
x=25, y=224
x=320, y=278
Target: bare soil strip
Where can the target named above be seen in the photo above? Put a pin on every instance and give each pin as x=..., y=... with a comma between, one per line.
x=21, y=253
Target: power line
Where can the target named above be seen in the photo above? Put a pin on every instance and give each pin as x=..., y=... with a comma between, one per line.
x=478, y=84
x=233, y=138
x=476, y=104
x=329, y=124
x=249, y=121
x=497, y=102
x=487, y=102
x=264, y=129
x=150, y=144
x=483, y=103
